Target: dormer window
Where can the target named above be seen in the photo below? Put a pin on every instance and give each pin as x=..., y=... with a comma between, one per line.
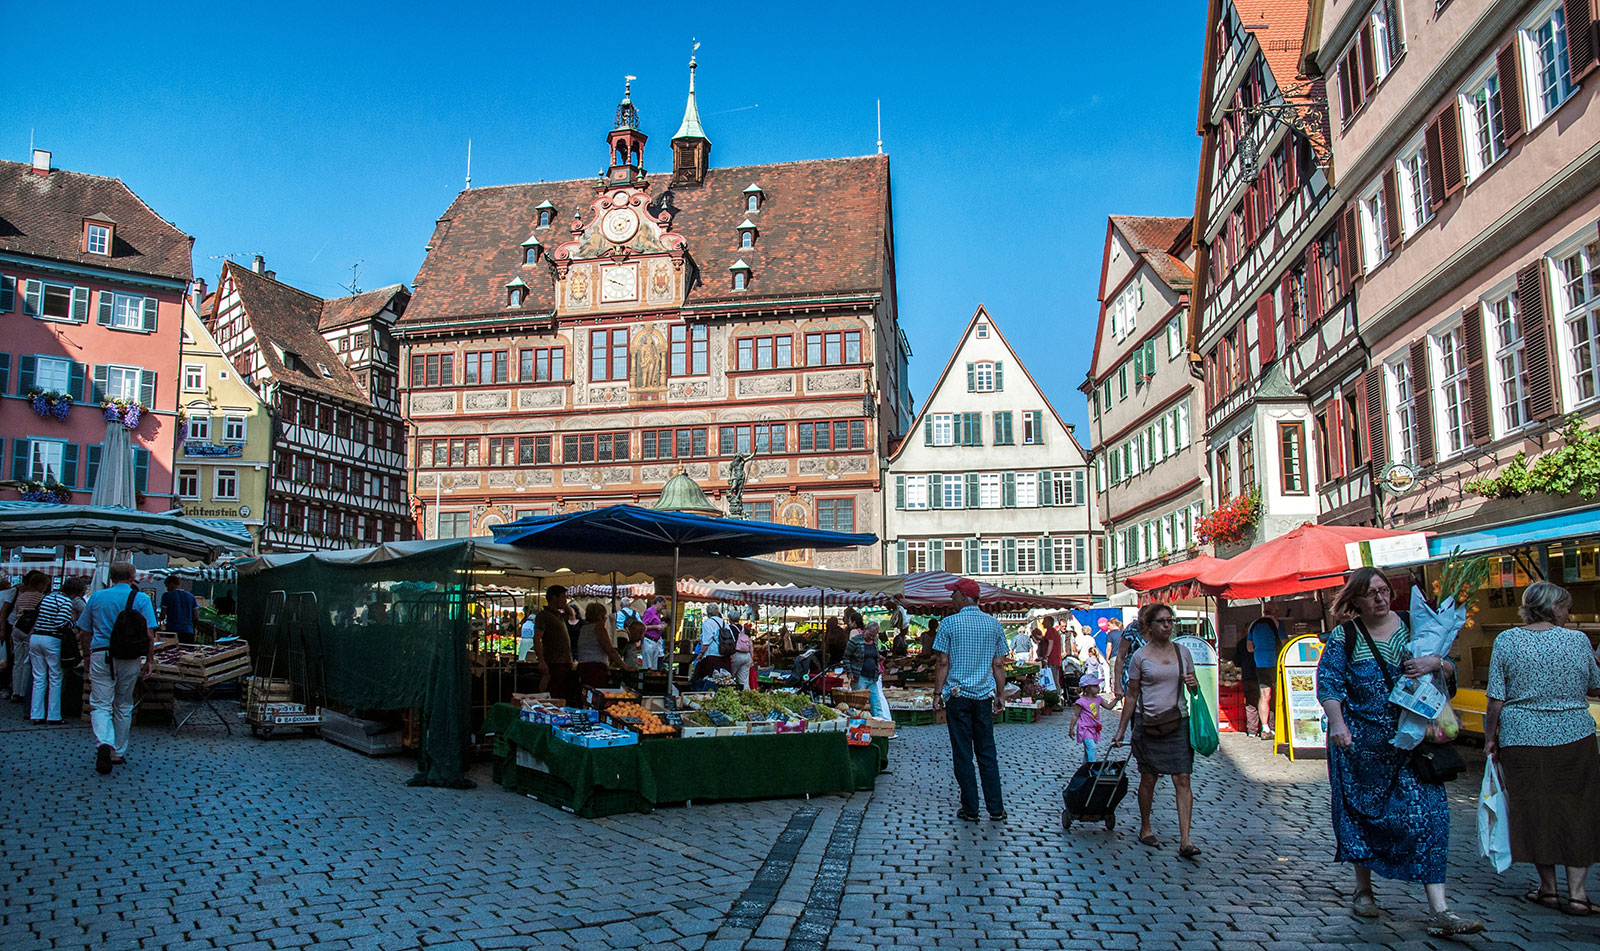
x=532, y=251
x=741, y=275
x=747, y=234
x=983, y=331
x=97, y=235
x=753, y=197
x=547, y=213
x=516, y=293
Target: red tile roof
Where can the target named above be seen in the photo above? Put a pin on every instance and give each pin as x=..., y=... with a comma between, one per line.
x=363, y=306
x=822, y=229
x=42, y=216
x=1282, y=33
x=1163, y=244
x=285, y=321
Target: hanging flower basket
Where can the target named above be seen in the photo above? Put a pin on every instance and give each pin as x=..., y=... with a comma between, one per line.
x=126, y=412
x=50, y=404
x=51, y=491
x=183, y=426
x=1232, y=521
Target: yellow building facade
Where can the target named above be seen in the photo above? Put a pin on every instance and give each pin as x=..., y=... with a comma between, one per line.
x=225, y=446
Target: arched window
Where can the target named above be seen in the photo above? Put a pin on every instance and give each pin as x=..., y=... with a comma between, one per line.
x=740, y=280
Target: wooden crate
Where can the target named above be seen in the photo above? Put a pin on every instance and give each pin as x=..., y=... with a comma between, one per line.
x=203, y=664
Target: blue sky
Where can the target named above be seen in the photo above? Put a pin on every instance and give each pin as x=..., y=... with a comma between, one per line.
x=322, y=135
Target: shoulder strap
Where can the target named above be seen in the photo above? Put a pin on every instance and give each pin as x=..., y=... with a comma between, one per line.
x=132, y=593
x=1383, y=664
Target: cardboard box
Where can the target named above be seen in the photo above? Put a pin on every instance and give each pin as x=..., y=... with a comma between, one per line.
x=877, y=727
x=699, y=731
x=765, y=728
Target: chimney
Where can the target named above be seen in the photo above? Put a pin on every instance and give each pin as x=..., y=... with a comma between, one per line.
x=271, y=275
x=197, y=294
x=41, y=162
x=259, y=265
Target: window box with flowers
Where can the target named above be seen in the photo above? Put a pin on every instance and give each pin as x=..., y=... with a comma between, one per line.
x=126, y=412
x=1573, y=469
x=1232, y=521
x=47, y=491
x=50, y=404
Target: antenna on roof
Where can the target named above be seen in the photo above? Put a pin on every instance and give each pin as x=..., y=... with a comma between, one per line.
x=880, y=126
x=354, y=287
x=469, y=165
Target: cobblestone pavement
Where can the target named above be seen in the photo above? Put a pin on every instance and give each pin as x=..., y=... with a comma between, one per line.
x=208, y=841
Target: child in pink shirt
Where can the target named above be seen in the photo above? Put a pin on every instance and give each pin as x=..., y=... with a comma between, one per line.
x=1089, y=705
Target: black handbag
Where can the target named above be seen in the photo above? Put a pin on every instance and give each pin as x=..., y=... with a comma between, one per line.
x=1434, y=763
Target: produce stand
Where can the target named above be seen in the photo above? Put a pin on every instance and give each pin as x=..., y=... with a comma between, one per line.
x=200, y=669
x=595, y=782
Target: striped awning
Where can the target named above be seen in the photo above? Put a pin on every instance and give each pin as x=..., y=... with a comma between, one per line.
x=55, y=569
x=802, y=597
x=217, y=573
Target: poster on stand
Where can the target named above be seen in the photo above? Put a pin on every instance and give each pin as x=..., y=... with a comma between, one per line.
x=1205, y=669
x=1302, y=724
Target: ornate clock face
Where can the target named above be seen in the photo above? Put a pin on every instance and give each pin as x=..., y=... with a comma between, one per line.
x=619, y=283
x=620, y=225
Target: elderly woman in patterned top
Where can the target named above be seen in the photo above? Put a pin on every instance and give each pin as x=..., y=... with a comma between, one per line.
x=1385, y=819
x=1538, y=729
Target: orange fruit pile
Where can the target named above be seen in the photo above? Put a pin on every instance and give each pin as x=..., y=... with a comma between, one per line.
x=649, y=723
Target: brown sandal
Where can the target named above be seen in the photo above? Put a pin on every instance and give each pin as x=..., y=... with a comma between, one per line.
x=1549, y=900
x=1576, y=907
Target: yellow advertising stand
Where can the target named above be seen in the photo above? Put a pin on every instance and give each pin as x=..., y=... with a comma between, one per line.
x=1302, y=725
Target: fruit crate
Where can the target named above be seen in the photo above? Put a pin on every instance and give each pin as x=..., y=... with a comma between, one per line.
x=1021, y=715
x=913, y=717
x=553, y=791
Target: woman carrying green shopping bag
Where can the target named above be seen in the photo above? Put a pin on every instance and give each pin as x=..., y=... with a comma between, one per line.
x=1160, y=713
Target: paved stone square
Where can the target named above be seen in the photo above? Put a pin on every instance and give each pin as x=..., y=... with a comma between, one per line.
x=208, y=841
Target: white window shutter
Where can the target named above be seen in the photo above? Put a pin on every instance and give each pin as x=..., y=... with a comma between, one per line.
x=104, y=316
x=80, y=304
x=32, y=297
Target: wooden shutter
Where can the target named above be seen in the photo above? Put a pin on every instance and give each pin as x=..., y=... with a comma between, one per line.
x=971, y=493
x=32, y=297
x=1008, y=490
x=80, y=304
x=26, y=365
x=1433, y=148
x=1369, y=68
x=900, y=492
x=141, y=470
x=972, y=378
x=1047, y=555
x=69, y=465
x=1581, y=46
x=1532, y=313
x=1478, y=409
x=1313, y=282
x=8, y=294
x=1079, y=478
x=147, y=389
x=927, y=430
x=1350, y=248
x=148, y=313
x=1008, y=555
x=1391, y=208
x=1377, y=422
x=20, y=448
x=1080, y=558
x=1266, y=332
x=900, y=556
x=1047, y=481
x=104, y=310
x=1453, y=171
x=999, y=376
x=1291, y=166
x=1510, y=76
x=92, y=469
x=935, y=554
x=935, y=493
x=1347, y=102
x=75, y=380
x=971, y=560
x=1422, y=401
x=97, y=392
x=5, y=373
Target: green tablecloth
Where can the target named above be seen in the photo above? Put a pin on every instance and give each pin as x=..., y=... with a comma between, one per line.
x=680, y=770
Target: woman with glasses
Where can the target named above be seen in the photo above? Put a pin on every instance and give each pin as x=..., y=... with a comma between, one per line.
x=1158, y=672
x=1385, y=819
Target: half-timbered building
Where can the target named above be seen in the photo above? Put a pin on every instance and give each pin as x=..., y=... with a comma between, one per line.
x=576, y=343
x=327, y=368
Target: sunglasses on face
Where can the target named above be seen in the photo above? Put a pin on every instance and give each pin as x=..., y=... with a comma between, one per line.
x=1163, y=620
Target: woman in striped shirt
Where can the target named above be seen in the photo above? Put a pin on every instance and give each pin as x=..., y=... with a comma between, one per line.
x=54, y=622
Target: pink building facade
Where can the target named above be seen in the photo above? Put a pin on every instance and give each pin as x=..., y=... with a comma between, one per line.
x=92, y=282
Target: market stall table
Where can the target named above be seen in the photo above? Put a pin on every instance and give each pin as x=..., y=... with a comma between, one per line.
x=595, y=782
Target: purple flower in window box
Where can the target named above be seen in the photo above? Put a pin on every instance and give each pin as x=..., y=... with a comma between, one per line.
x=49, y=403
x=126, y=412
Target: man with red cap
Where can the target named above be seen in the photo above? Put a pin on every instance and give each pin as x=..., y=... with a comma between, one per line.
x=969, y=675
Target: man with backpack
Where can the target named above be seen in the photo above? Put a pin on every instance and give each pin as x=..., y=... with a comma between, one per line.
x=114, y=633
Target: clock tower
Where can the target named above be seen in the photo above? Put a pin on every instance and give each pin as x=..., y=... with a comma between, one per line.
x=627, y=142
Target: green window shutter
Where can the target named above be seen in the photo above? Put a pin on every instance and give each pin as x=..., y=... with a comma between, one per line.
x=97, y=392
x=999, y=376
x=75, y=381
x=32, y=297
x=1079, y=561
x=1047, y=555
x=972, y=490
x=1078, y=495
x=80, y=304
x=92, y=470
x=935, y=491
x=1047, y=495
x=149, y=315
x=927, y=431
x=5, y=373
x=147, y=388
x=20, y=448
x=69, y=465
x=972, y=377
x=971, y=560
x=1008, y=490
x=1038, y=427
x=1138, y=366
x=141, y=470
x=1008, y=555
x=935, y=554
x=25, y=371
x=900, y=493
x=103, y=315
x=900, y=556
x=8, y=294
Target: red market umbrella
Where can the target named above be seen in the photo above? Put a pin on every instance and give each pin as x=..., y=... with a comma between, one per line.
x=928, y=592
x=1172, y=574
x=1306, y=559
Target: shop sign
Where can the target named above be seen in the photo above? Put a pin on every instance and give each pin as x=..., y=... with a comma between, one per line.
x=1302, y=724
x=1397, y=478
x=221, y=511
x=1383, y=552
x=1205, y=668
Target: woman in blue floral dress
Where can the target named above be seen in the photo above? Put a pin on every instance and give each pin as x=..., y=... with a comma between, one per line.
x=1385, y=820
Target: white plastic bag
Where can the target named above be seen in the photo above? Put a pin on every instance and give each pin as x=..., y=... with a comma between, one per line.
x=1047, y=679
x=1494, y=836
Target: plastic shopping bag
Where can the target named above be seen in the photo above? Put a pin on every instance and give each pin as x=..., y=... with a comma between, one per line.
x=1047, y=679
x=1202, y=728
x=1494, y=836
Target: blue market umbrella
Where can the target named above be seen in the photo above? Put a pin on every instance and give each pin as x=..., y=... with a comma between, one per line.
x=633, y=529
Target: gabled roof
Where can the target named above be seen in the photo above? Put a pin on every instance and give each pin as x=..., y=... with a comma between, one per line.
x=983, y=313
x=823, y=223
x=1281, y=31
x=42, y=216
x=363, y=306
x=285, y=320
x=1162, y=243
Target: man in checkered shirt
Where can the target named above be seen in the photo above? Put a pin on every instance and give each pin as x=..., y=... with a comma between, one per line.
x=968, y=680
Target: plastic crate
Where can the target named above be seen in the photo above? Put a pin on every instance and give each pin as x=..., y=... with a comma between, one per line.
x=1021, y=715
x=913, y=717
x=557, y=792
